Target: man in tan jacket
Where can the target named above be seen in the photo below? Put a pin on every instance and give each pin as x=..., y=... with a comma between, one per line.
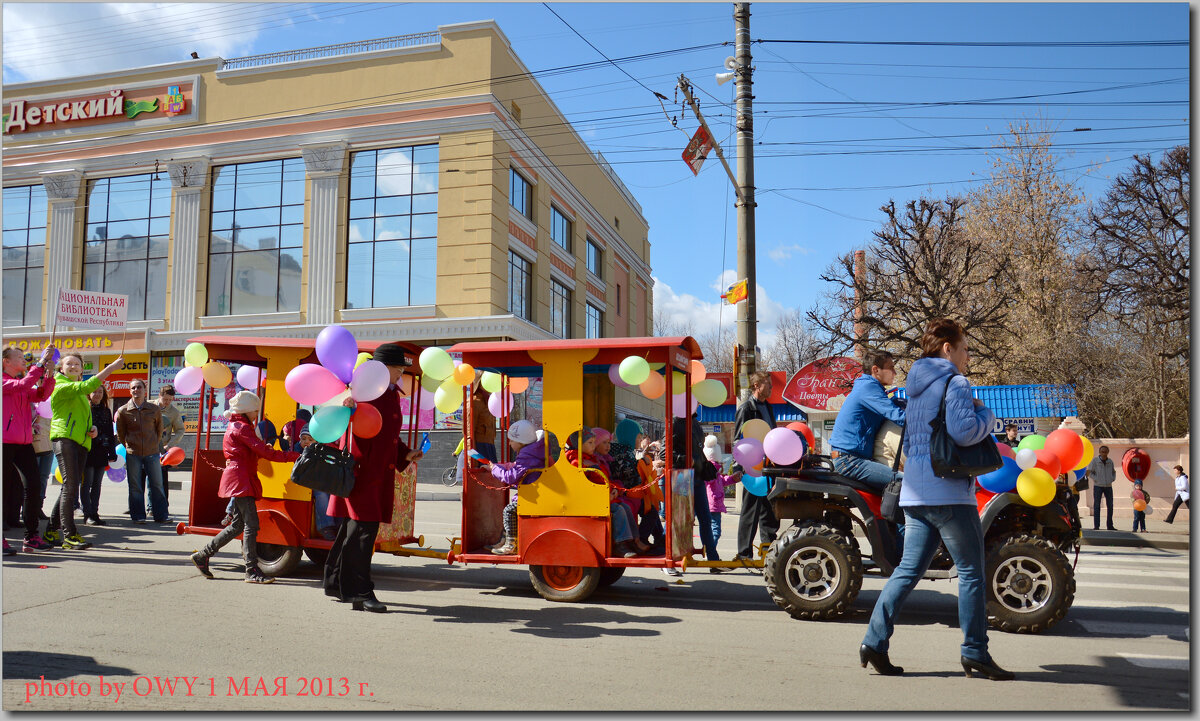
x=140, y=428
x=172, y=434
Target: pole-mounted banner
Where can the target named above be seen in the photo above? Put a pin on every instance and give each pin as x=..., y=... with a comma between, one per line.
x=736, y=293
x=697, y=150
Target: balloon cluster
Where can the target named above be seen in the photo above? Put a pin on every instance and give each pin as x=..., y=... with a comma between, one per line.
x=760, y=442
x=1032, y=469
x=198, y=370
x=443, y=379
x=325, y=385
x=637, y=371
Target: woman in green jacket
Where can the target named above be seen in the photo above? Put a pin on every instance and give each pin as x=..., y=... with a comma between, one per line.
x=71, y=434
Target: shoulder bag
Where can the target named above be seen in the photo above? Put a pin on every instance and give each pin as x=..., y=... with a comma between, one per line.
x=889, y=505
x=325, y=468
x=950, y=460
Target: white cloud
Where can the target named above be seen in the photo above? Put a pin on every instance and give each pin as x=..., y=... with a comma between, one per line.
x=705, y=316
x=53, y=40
x=781, y=253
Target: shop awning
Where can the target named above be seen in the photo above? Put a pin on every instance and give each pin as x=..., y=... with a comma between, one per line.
x=726, y=413
x=1027, y=401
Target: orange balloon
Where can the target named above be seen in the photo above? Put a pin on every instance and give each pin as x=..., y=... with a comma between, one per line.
x=1139, y=505
x=1067, y=445
x=366, y=421
x=464, y=374
x=173, y=456
x=698, y=371
x=654, y=386
x=518, y=384
x=1047, y=461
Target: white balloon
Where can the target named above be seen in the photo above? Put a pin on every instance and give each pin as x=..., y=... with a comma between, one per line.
x=1026, y=459
x=119, y=463
x=1149, y=510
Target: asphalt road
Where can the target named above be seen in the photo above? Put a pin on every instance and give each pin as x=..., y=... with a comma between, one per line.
x=132, y=615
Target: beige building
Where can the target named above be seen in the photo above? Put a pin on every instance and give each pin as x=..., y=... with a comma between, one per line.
x=421, y=187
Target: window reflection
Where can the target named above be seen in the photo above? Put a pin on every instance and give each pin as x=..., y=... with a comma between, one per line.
x=24, y=253
x=128, y=224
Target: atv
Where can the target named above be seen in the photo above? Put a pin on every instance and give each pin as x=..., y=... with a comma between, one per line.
x=814, y=569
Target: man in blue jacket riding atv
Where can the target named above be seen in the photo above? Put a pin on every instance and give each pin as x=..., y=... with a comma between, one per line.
x=865, y=409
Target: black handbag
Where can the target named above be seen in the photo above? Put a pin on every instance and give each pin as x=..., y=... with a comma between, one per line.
x=325, y=468
x=889, y=505
x=950, y=460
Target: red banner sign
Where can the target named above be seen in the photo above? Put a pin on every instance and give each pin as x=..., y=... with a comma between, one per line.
x=813, y=385
x=697, y=150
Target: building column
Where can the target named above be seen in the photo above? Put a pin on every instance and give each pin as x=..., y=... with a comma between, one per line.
x=323, y=166
x=62, y=191
x=188, y=180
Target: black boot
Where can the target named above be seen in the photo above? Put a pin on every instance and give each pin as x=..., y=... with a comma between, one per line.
x=883, y=666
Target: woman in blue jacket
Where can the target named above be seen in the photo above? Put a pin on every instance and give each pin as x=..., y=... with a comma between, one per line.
x=938, y=508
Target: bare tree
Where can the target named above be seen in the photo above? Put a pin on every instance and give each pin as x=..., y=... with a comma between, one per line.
x=795, y=345
x=666, y=326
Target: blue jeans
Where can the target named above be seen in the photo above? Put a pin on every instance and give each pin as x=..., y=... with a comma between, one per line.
x=716, y=525
x=875, y=475
x=141, y=469
x=959, y=528
x=320, y=500
x=622, y=522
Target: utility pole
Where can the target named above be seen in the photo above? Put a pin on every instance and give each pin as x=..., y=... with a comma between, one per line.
x=747, y=323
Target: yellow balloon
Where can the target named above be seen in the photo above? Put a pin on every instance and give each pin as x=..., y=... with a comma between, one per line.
x=448, y=400
x=755, y=428
x=216, y=374
x=464, y=374
x=58, y=476
x=1088, y=452
x=362, y=358
x=678, y=382
x=1036, y=487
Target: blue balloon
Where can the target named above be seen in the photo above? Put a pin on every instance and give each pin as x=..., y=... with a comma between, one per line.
x=1079, y=473
x=329, y=423
x=758, y=485
x=1003, y=479
x=121, y=450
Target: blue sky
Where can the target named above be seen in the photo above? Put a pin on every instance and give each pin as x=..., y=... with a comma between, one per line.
x=839, y=132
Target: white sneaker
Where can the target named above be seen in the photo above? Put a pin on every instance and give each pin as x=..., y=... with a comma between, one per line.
x=672, y=571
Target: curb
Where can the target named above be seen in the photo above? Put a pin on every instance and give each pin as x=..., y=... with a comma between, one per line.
x=1132, y=540
x=439, y=495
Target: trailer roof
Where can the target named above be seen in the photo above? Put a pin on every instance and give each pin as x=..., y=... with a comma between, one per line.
x=516, y=354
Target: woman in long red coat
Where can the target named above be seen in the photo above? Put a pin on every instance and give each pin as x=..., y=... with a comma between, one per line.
x=377, y=459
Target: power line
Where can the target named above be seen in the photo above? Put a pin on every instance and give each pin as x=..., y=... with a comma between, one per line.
x=998, y=44
x=601, y=53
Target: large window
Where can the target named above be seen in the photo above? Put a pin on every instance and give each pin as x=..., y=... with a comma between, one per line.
x=520, y=286
x=128, y=226
x=24, y=253
x=392, y=253
x=255, y=250
x=520, y=193
x=595, y=258
x=560, y=228
x=595, y=322
x=560, y=310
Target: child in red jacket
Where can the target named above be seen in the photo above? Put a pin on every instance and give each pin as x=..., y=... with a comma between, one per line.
x=239, y=482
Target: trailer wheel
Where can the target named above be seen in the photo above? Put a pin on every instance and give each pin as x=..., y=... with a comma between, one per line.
x=610, y=575
x=317, y=555
x=565, y=584
x=276, y=560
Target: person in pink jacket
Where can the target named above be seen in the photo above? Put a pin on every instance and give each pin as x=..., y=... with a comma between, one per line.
x=239, y=481
x=22, y=388
x=716, y=494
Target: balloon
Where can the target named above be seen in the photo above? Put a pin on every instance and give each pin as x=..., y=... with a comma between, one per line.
x=1149, y=509
x=1005, y=450
x=1036, y=487
x=362, y=358
x=1086, y=457
x=679, y=407
x=634, y=370
x=1067, y=445
x=518, y=385
x=614, y=375
x=657, y=366
x=195, y=354
x=783, y=446
x=748, y=452
x=1048, y=462
x=755, y=428
x=1003, y=479
x=496, y=407
x=120, y=451
x=710, y=392
x=329, y=422
x=217, y=374
x=311, y=385
x=44, y=410
x=490, y=380
x=446, y=400
x=1032, y=441
x=464, y=374
x=1026, y=458
x=338, y=399
x=678, y=382
x=119, y=463
x=803, y=428
x=430, y=383
x=116, y=475
x=366, y=421
x=57, y=355
x=337, y=350
x=427, y=398
x=698, y=371
x=756, y=485
x=173, y=456
x=654, y=386
x=249, y=377
x=369, y=381
x=436, y=363
x=188, y=380
x=1139, y=505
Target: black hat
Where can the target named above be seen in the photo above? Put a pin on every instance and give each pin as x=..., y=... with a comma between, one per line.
x=391, y=354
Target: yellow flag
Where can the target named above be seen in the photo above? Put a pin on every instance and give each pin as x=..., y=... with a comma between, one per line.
x=736, y=293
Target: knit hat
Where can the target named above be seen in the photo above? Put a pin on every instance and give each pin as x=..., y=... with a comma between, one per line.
x=601, y=435
x=243, y=402
x=627, y=431
x=391, y=354
x=303, y=415
x=578, y=438
x=710, y=453
x=304, y=431
x=522, y=432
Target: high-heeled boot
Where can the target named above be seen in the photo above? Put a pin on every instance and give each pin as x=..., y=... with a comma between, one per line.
x=883, y=666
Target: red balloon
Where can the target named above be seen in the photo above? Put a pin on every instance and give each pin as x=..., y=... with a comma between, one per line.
x=1067, y=445
x=1007, y=451
x=1136, y=464
x=804, y=430
x=173, y=456
x=366, y=420
x=1048, y=462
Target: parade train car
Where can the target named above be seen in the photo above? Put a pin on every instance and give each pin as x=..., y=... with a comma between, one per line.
x=563, y=518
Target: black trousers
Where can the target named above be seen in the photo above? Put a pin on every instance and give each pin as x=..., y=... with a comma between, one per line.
x=348, y=568
x=756, y=514
x=1170, y=516
x=89, y=492
x=21, y=471
x=1099, y=492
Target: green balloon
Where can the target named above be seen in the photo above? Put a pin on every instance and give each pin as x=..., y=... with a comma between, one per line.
x=490, y=382
x=430, y=383
x=437, y=363
x=710, y=392
x=1032, y=441
x=329, y=423
x=195, y=354
x=634, y=370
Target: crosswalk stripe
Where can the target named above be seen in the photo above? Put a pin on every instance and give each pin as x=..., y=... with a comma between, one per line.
x=1141, y=630
x=1107, y=571
x=1130, y=605
x=1111, y=585
x=1146, y=661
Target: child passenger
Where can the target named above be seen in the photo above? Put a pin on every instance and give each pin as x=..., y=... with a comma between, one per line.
x=326, y=526
x=581, y=448
x=239, y=482
x=529, y=453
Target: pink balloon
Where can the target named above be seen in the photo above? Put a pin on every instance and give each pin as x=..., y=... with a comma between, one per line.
x=338, y=352
x=188, y=380
x=494, y=405
x=43, y=409
x=249, y=377
x=615, y=376
x=783, y=446
x=678, y=406
x=310, y=384
x=426, y=400
x=1006, y=450
x=371, y=379
x=748, y=452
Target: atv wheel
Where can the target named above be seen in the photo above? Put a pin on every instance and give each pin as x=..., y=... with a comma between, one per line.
x=1030, y=585
x=812, y=572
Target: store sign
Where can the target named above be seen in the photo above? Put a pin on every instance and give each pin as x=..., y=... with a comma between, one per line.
x=1025, y=426
x=113, y=106
x=76, y=343
x=812, y=387
x=137, y=367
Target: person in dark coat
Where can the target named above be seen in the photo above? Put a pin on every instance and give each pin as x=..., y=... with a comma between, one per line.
x=377, y=459
x=103, y=452
x=756, y=511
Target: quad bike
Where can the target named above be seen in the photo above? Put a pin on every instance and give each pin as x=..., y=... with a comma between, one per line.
x=814, y=569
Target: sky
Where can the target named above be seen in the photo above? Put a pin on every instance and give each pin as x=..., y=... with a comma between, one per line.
x=855, y=104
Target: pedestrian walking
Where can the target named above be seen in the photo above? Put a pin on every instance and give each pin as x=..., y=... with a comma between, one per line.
x=23, y=387
x=756, y=513
x=1183, y=492
x=1101, y=473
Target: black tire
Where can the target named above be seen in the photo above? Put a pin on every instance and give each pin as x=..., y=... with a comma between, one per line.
x=610, y=575
x=812, y=572
x=450, y=476
x=275, y=560
x=317, y=555
x=1030, y=585
x=564, y=584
